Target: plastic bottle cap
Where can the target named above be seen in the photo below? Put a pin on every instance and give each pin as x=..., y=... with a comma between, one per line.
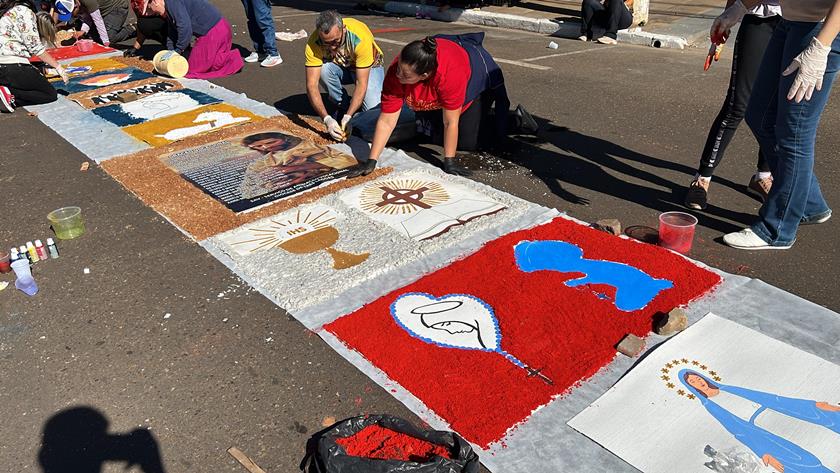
x=50, y=241
x=38, y=243
x=23, y=249
x=29, y=244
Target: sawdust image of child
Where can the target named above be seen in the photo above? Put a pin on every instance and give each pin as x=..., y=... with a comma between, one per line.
x=288, y=160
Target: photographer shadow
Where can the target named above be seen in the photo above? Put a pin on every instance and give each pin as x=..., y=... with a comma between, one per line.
x=76, y=440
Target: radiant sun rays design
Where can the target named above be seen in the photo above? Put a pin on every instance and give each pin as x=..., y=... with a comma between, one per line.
x=402, y=196
x=670, y=372
x=277, y=232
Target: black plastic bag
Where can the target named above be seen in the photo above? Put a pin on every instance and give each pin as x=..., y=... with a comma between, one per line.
x=332, y=458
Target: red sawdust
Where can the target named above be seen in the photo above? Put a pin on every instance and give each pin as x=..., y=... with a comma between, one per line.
x=378, y=442
x=567, y=333
x=68, y=52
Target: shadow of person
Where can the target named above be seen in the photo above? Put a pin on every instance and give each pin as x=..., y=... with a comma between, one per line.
x=76, y=440
x=566, y=156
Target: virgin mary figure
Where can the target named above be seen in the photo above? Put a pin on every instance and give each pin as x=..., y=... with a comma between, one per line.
x=775, y=451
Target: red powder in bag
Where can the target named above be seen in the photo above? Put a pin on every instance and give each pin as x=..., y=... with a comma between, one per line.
x=380, y=443
x=567, y=333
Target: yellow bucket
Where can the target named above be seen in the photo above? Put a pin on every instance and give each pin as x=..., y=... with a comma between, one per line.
x=170, y=63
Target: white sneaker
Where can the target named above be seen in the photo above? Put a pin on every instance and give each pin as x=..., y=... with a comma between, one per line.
x=583, y=38
x=253, y=57
x=607, y=40
x=271, y=61
x=746, y=239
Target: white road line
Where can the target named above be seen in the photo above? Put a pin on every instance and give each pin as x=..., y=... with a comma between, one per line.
x=523, y=64
x=283, y=17
x=503, y=61
x=568, y=53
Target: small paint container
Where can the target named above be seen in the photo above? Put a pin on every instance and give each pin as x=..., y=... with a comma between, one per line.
x=53, y=248
x=42, y=252
x=33, y=254
x=13, y=255
x=24, y=254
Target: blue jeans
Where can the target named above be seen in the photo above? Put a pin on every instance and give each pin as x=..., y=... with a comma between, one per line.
x=786, y=132
x=261, y=26
x=334, y=77
x=364, y=124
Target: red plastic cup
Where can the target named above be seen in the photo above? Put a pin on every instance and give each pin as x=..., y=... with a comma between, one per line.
x=5, y=264
x=676, y=231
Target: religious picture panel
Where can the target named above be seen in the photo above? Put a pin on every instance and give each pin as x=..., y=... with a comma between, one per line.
x=419, y=205
x=722, y=397
x=251, y=170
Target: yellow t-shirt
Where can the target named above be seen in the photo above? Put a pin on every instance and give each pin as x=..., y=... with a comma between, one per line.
x=358, y=50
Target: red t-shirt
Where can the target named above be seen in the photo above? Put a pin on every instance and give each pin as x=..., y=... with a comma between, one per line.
x=446, y=89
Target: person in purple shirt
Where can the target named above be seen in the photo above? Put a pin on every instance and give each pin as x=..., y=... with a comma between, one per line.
x=211, y=55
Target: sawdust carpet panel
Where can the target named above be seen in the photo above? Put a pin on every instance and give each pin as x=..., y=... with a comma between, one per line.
x=89, y=66
x=190, y=123
x=70, y=52
x=102, y=79
x=154, y=106
x=196, y=212
x=297, y=280
x=124, y=93
x=492, y=337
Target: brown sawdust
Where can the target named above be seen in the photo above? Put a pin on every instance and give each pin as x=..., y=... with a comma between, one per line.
x=185, y=205
x=137, y=62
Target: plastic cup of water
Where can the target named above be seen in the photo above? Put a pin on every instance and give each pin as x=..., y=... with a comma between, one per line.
x=25, y=282
x=67, y=222
x=676, y=231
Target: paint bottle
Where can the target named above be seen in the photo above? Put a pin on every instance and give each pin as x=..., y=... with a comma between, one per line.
x=33, y=254
x=42, y=252
x=14, y=255
x=53, y=248
x=24, y=254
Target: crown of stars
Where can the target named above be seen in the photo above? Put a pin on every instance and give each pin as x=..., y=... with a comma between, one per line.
x=671, y=368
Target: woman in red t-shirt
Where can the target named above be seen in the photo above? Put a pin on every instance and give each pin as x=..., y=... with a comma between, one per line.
x=432, y=77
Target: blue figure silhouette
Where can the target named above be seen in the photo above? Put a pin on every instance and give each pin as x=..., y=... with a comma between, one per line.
x=634, y=289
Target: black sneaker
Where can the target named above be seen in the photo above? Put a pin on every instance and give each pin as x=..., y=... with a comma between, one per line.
x=7, y=100
x=527, y=124
x=696, y=196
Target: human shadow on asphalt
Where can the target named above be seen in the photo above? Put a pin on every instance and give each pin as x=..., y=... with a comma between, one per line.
x=584, y=161
x=76, y=440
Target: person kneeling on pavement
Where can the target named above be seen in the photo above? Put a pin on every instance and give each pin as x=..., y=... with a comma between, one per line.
x=211, y=55
x=451, y=83
x=20, y=82
x=601, y=20
x=342, y=51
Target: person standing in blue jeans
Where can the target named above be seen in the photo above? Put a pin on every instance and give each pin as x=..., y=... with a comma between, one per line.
x=789, y=95
x=261, y=30
x=342, y=51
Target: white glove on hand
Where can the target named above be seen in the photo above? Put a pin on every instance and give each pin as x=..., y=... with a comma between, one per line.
x=344, y=121
x=333, y=128
x=726, y=21
x=62, y=73
x=811, y=64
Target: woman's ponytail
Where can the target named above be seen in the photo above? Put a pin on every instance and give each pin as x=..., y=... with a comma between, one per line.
x=421, y=55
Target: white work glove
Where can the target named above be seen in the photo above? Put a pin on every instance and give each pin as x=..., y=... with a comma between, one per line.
x=811, y=64
x=333, y=128
x=344, y=121
x=726, y=21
